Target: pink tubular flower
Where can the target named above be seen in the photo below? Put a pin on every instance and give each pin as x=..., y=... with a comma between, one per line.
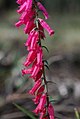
x=38, y=95
x=26, y=71
x=34, y=41
x=51, y=111
x=29, y=5
x=19, y=23
x=27, y=16
x=36, y=86
x=35, y=71
x=28, y=42
x=30, y=58
x=41, y=104
x=29, y=26
x=39, y=57
x=42, y=114
x=46, y=26
x=20, y=1
x=41, y=7
x=38, y=76
x=22, y=8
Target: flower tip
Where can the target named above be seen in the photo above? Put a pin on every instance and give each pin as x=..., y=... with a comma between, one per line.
x=17, y=11
x=46, y=17
x=51, y=32
x=23, y=72
x=25, y=44
x=16, y=24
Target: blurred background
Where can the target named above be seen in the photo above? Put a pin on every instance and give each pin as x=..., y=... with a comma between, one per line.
x=63, y=58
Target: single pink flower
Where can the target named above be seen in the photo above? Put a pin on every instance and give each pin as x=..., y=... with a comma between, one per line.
x=41, y=7
x=42, y=114
x=35, y=88
x=41, y=104
x=26, y=16
x=19, y=23
x=26, y=71
x=35, y=71
x=29, y=26
x=20, y=1
x=22, y=8
x=29, y=5
x=30, y=58
x=36, y=111
x=39, y=57
x=46, y=26
x=34, y=41
x=39, y=94
x=51, y=111
x=28, y=42
x=38, y=76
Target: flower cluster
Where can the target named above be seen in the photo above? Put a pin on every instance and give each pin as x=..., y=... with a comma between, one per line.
x=34, y=64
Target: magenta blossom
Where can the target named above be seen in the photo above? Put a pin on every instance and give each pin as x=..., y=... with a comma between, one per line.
x=41, y=104
x=46, y=26
x=39, y=94
x=35, y=88
x=42, y=8
x=51, y=111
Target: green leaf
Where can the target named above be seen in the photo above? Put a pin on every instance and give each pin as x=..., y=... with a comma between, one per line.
x=46, y=66
x=77, y=113
x=45, y=61
x=45, y=48
x=25, y=111
x=53, y=101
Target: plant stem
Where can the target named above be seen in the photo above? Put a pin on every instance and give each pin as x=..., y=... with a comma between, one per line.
x=44, y=76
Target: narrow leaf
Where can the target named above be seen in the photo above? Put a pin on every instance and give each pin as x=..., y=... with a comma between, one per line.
x=45, y=48
x=25, y=111
x=77, y=113
x=46, y=66
x=45, y=61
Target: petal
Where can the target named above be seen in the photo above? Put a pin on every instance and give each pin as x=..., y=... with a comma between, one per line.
x=42, y=8
x=51, y=111
x=26, y=71
x=22, y=8
x=36, y=86
x=18, y=24
x=46, y=26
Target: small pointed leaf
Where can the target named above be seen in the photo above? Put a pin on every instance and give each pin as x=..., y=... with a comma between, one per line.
x=46, y=66
x=45, y=48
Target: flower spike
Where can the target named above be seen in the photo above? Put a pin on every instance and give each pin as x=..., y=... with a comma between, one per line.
x=35, y=63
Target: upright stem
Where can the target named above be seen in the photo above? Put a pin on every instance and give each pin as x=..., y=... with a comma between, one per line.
x=44, y=76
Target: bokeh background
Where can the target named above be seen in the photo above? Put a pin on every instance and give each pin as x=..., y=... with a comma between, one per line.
x=63, y=58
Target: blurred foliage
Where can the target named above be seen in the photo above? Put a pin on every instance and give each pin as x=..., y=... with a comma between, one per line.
x=77, y=114
x=53, y=5
x=25, y=111
x=63, y=5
